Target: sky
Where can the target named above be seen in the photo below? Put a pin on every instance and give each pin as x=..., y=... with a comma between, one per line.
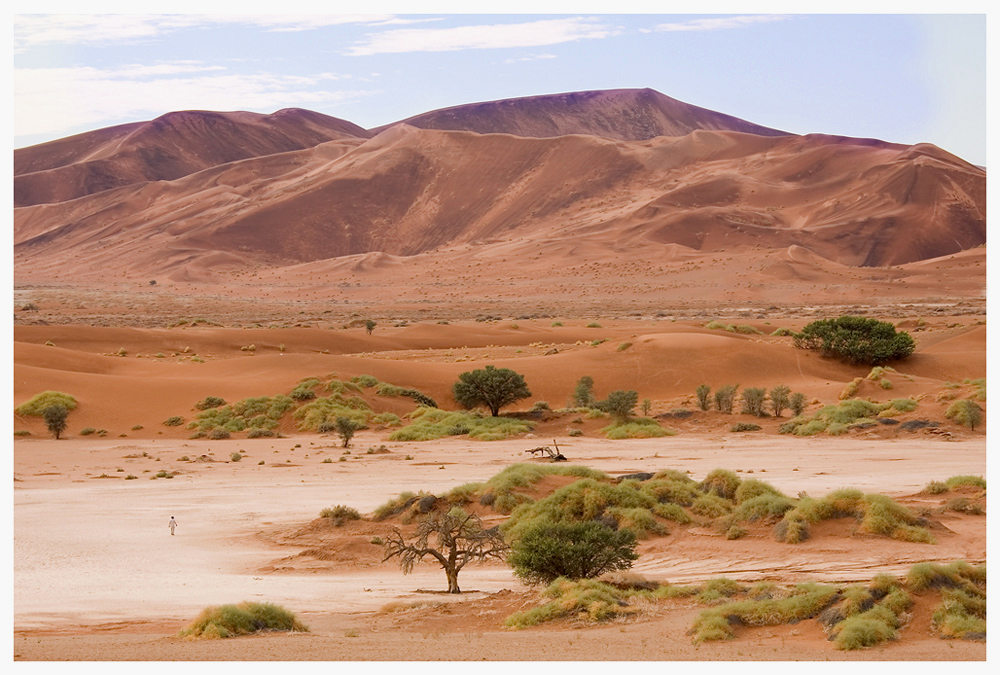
x=898, y=77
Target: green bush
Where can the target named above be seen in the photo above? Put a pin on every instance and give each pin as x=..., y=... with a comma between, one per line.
x=218, y=434
x=261, y=433
x=744, y=426
x=797, y=403
x=856, y=340
x=620, y=404
x=87, y=431
x=243, y=619
x=174, y=421
x=544, y=550
x=39, y=402
x=366, y=381
x=779, y=397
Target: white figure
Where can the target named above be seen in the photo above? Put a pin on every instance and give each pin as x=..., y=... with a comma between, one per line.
x=172, y=525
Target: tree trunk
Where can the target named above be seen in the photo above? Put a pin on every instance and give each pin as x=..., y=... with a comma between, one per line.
x=452, y=575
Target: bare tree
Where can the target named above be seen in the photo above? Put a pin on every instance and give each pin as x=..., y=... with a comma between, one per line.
x=459, y=539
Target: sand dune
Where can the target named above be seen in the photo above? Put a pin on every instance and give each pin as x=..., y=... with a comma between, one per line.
x=296, y=187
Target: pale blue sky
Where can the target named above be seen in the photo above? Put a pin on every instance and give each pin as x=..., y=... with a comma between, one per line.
x=900, y=78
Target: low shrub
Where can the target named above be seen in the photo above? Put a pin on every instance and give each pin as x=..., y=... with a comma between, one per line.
x=218, y=434
x=242, y=619
x=210, y=402
x=87, y=431
x=744, y=426
x=721, y=482
x=174, y=421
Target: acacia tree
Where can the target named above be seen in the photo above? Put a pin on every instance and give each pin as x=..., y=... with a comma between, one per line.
x=620, y=404
x=345, y=428
x=459, y=538
x=370, y=326
x=55, y=419
x=491, y=387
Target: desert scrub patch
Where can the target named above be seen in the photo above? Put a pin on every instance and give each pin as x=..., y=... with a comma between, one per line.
x=502, y=485
x=39, y=402
x=244, y=618
x=365, y=381
x=22, y=432
x=326, y=410
x=745, y=329
x=585, y=600
x=583, y=500
x=386, y=419
x=717, y=588
x=87, y=431
x=432, y=423
x=340, y=514
x=753, y=487
x=875, y=514
x=636, y=428
x=711, y=506
x=782, y=332
x=958, y=574
x=174, y=421
x=804, y=601
x=744, y=426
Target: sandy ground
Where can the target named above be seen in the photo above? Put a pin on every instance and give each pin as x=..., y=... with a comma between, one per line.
x=98, y=576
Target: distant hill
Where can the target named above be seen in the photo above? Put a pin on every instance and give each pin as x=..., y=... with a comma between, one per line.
x=169, y=147
x=619, y=114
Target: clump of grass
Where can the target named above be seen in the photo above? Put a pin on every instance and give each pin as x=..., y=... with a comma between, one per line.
x=340, y=514
x=959, y=481
x=782, y=332
x=715, y=589
x=642, y=427
x=744, y=426
x=721, y=482
x=802, y=602
x=583, y=500
x=876, y=514
x=432, y=423
x=501, y=487
x=365, y=381
x=174, y=421
x=242, y=619
x=327, y=409
x=586, y=600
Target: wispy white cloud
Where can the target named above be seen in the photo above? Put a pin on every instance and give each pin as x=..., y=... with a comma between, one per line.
x=496, y=36
x=54, y=101
x=530, y=57
x=720, y=23
x=33, y=30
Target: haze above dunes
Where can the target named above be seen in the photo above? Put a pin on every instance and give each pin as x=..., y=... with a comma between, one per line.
x=552, y=186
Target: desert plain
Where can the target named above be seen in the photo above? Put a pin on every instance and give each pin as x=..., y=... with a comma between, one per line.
x=621, y=235
x=99, y=577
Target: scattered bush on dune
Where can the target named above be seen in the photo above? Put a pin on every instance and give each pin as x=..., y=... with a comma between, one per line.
x=965, y=412
x=242, y=619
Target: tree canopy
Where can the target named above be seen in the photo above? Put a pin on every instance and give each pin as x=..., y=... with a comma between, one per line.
x=491, y=387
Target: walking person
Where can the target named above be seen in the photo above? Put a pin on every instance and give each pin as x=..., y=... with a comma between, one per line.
x=172, y=525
